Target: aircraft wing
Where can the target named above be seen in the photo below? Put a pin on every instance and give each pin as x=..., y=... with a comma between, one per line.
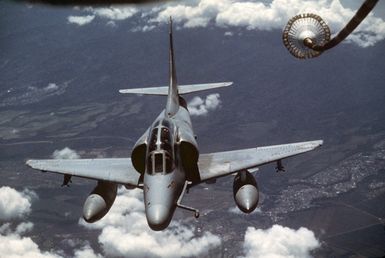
x=214, y=165
x=118, y=170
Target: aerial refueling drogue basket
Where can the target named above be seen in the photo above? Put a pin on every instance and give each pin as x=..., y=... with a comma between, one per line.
x=307, y=35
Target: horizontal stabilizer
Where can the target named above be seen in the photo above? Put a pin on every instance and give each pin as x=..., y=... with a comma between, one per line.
x=183, y=89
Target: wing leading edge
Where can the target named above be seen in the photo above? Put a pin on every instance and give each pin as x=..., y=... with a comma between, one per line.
x=118, y=170
x=220, y=164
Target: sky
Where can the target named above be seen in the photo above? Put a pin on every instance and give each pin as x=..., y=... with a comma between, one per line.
x=16, y=206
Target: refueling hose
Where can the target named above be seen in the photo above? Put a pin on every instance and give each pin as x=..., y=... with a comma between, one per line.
x=360, y=15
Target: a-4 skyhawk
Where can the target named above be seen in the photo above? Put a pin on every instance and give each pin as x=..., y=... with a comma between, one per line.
x=165, y=161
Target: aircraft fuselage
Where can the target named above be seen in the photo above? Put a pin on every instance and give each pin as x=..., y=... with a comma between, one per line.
x=165, y=174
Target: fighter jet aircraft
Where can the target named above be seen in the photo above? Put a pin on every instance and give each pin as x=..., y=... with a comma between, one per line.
x=165, y=161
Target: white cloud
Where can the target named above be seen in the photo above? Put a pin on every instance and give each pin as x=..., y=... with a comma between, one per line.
x=126, y=223
x=65, y=153
x=198, y=107
x=274, y=15
x=86, y=252
x=14, y=245
x=111, y=14
x=111, y=24
x=14, y=204
x=24, y=227
x=197, y=14
x=51, y=87
x=81, y=20
x=148, y=28
x=279, y=242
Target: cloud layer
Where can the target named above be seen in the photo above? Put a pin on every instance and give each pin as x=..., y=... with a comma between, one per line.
x=14, y=205
x=110, y=14
x=81, y=20
x=124, y=232
x=200, y=107
x=126, y=222
x=249, y=14
x=279, y=242
x=259, y=16
x=15, y=245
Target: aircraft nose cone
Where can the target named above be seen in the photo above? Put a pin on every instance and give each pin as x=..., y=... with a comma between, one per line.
x=158, y=217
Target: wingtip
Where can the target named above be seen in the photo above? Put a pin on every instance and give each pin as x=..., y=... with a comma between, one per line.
x=311, y=145
x=132, y=91
x=29, y=163
x=317, y=143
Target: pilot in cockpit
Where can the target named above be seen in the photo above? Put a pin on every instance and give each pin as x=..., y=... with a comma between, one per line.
x=160, y=150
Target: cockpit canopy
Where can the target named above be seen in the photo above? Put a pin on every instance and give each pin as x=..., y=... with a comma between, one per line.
x=160, y=149
x=160, y=162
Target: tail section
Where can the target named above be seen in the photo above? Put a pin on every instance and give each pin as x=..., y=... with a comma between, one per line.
x=172, y=105
x=173, y=90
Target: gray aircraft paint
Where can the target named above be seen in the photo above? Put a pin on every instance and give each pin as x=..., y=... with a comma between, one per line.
x=172, y=105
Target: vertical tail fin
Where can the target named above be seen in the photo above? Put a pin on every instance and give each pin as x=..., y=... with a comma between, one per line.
x=173, y=95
